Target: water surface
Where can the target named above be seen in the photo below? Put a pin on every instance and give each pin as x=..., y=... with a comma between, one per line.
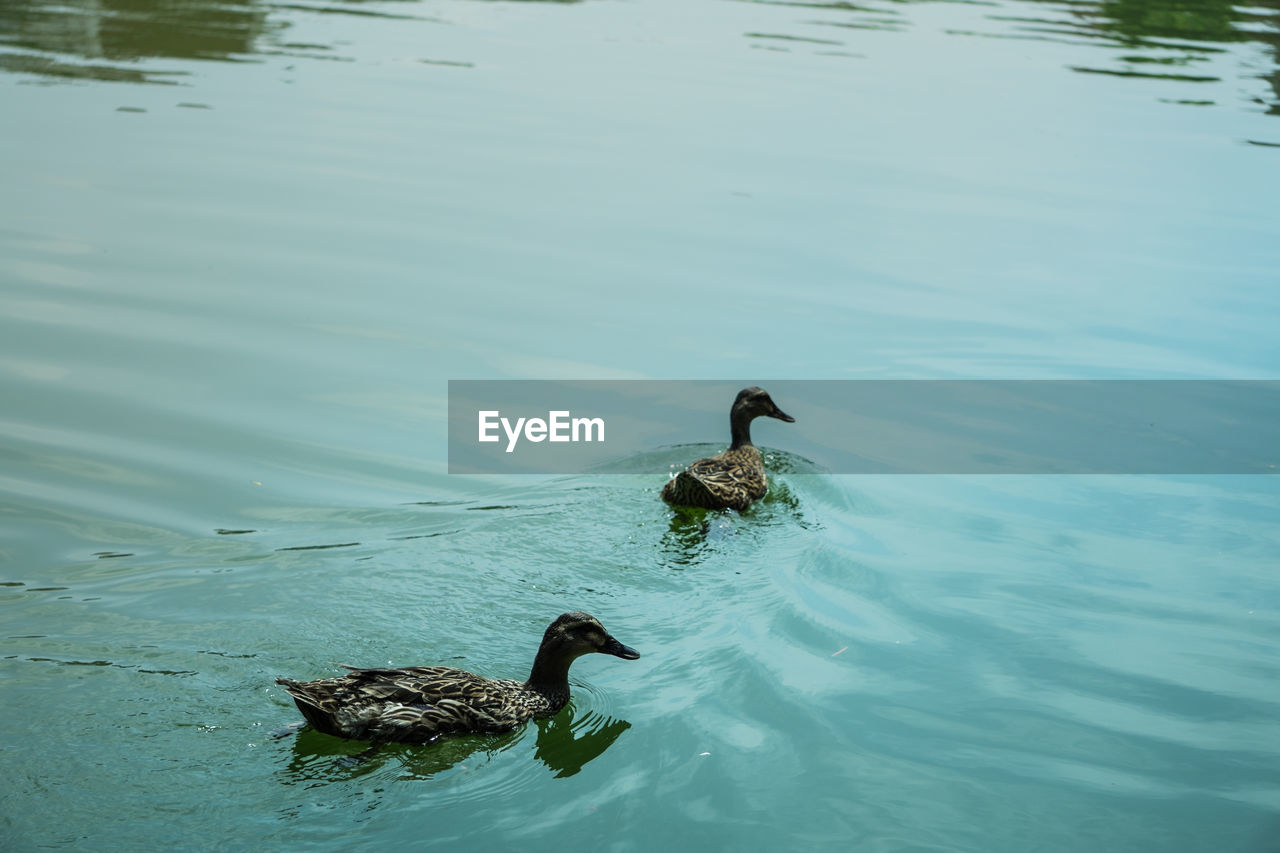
x=246, y=244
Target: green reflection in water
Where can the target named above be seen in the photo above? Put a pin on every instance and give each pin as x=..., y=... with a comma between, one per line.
x=124, y=33
x=1138, y=21
x=120, y=37
x=119, y=40
x=1177, y=33
x=564, y=744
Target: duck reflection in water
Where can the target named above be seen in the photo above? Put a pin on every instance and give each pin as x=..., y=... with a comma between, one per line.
x=694, y=534
x=564, y=744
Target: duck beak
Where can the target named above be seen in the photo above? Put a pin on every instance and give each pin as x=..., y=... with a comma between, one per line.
x=781, y=415
x=613, y=647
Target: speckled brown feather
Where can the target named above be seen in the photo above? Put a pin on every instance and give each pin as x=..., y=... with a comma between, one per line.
x=729, y=480
x=417, y=704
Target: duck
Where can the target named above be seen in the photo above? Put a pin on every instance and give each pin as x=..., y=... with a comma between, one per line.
x=419, y=704
x=734, y=478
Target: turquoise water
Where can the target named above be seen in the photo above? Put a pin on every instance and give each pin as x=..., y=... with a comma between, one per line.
x=245, y=245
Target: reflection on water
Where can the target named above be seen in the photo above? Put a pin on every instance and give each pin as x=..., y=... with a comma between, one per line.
x=320, y=758
x=123, y=32
x=1165, y=39
x=693, y=533
x=1174, y=40
x=1159, y=38
x=685, y=544
x=564, y=744
x=860, y=16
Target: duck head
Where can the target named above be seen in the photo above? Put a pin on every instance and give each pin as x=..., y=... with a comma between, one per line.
x=755, y=402
x=750, y=404
x=575, y=634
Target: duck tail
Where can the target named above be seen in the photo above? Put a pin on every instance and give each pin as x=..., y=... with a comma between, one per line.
x=686, y=489
x=308, y=704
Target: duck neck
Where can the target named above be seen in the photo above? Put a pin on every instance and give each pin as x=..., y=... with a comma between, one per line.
x=740, y=428
x=550, y=676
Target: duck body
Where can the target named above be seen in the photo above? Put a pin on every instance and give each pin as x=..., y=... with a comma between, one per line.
x=415, y=704
x=418, y=704
x=729, y=480
x=735, y=478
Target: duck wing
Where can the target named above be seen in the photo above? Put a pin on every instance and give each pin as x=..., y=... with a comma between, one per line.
x=732, y=479
x=413, y=704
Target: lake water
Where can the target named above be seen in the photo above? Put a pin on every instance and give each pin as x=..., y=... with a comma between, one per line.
x=244, y=246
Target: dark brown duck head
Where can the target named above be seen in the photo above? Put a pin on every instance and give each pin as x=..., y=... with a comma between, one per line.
x=750, y=404
x=576, y=634
x=568, y=638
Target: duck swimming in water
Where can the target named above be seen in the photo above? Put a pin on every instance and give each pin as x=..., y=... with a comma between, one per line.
x=735, y=478
x=417, y=704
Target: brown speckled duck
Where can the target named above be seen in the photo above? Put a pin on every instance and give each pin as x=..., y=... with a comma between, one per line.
x=735, y=478
x=417, y=704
